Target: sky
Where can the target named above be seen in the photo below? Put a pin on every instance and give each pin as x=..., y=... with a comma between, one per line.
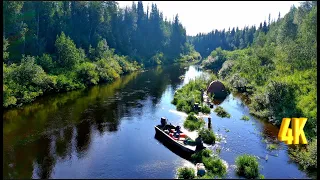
x=205, y=16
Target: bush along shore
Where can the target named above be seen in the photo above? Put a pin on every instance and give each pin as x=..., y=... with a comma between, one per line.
x=278, y=73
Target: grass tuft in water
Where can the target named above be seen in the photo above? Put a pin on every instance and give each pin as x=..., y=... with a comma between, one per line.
x=247, y=166
x=207, y=136
x=246, y=118
x=215, y=166
x=186, y=173
x=221, y=112
x=272, y=146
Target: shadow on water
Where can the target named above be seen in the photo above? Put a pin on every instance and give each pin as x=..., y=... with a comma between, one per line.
x=172, y=149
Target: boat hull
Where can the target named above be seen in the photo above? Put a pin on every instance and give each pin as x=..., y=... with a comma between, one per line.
x=173, y=144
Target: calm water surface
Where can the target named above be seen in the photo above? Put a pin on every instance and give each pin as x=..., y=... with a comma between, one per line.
x=107, y=131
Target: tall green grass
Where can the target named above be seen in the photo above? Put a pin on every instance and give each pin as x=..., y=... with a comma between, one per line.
x=207, y=136
x=186, y=173
x=221, y=112
x=247, y=166
x=193, y=123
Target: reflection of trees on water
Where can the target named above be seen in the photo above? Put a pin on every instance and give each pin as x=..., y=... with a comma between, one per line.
x=83, y=137
x=63, y=142
x=41, y=134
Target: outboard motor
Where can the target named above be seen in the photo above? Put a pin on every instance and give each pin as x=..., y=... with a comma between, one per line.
x=163, y=121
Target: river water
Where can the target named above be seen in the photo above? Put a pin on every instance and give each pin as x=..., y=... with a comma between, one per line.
x=107, y=131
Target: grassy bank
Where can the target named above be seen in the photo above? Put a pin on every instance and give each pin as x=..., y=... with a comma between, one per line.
x=279, y=74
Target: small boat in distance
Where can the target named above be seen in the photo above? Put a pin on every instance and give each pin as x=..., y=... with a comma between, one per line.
x=183, y=143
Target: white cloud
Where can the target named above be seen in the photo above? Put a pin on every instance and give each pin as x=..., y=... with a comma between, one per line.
x=204, y=16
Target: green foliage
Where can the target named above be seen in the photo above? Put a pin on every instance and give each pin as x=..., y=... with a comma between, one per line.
x=157, y=59
x=188, y=95
x=186, y=173
x=226, y=68
x=68, y=54
x=215, y=166
x=199, y=156
x=272, y=146
x=193, y=123
x=25, y=82
x=221, y=112
x=215, y=60
x=67, y=82
x=247, y=166
x=5, y=47
x=207, y=136
x=205, y=109
x=190, y=54
x=280, y=65
x=45, y=61
x=87, y=73
x=306, y=157
x=261, y=176
x=246, y=118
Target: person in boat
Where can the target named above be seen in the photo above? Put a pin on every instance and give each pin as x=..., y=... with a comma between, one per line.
x=163, y=122
x=177, y=132
x=199, y=143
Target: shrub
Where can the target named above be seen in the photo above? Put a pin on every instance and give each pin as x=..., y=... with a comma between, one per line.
x=215, y=60
x=247, y=166
x=306, y=157
x=207, y=136
x=199, y=156
x=193, y=123
x=221, y=112
x=226, y=69
x=87, y=73
x=105, y=71
x=205, y=109
x=45, y=61
x=67, y=83
x=215, y=166
x=186, y=173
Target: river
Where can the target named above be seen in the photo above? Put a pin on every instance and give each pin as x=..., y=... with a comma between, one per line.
x=107, y=131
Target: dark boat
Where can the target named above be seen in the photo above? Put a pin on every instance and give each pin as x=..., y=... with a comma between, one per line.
x=184, y=144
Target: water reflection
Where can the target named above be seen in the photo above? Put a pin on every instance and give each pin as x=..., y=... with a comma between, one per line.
x=98, y=132
x=51, y=129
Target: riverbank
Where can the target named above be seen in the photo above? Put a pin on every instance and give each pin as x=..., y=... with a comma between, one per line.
x=59, y=136
x=272, y=93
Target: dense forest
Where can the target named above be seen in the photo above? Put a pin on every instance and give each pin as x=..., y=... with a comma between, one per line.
x=66, y=45
x=232, y=39
x=278, y=72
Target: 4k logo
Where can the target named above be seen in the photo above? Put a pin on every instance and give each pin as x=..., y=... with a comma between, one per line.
x=296, y=134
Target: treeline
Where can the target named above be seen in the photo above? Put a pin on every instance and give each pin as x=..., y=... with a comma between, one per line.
x=31, y=29
x=232, y=39
x=61, y=46
x=281, y=68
